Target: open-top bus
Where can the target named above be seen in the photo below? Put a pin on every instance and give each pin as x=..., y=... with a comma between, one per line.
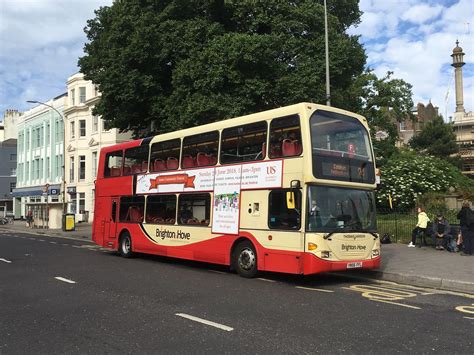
x=288, y=190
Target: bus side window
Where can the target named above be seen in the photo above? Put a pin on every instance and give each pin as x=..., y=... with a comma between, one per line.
x=114, y=211
x=161, y=209
x=194, y=209
x=244, y=143
x=136, y=160
x=131, y=209
x=285, y=137
x=280, y=216
x=200, y=150
x=165, y=155
x=113, y=164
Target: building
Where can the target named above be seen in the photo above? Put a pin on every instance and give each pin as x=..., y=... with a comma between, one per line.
x=85, y=135
x=40, y=164
x=7, y=175
x=463, y=121
x=408, y=128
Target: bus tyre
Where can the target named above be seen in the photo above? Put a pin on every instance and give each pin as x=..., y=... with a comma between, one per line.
x=125, y=245
x=245, y=260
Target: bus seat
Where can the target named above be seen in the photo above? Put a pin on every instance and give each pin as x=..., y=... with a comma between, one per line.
x=136, y=168
x=298, y=147
x=172, y=163
x=126, y=170
x=115, y=171
x=188, y=161
x=159, y=165
x=144, y=166
x=287, y=148
x=202, y=159
x=212, y=159
x=135, y=214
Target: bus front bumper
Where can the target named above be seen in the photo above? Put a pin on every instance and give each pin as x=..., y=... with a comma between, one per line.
x=315, y=265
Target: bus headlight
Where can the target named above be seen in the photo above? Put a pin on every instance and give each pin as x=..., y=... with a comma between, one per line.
x=325, y=254
x=375, y=253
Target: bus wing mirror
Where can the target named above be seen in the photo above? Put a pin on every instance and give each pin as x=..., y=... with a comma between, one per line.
x=290, y=200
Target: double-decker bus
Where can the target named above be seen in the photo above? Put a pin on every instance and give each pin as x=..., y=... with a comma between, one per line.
x=288, y=190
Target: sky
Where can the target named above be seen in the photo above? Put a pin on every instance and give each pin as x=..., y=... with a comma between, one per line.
x=41, y=41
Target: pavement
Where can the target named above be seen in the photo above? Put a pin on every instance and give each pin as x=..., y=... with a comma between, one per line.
x=424, y=267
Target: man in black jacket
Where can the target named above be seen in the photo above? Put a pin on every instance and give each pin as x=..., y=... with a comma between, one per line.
x=466, y=221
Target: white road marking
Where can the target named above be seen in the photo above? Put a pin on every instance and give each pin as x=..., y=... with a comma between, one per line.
x=207, y=322
x=77, y=246
x=395, y=303
x=469, y=318
x=5, y=261
x=41, y=240
x=267, y=280
x=216, y=272
x=53, y=242
x=65, y=280
x=314, y=289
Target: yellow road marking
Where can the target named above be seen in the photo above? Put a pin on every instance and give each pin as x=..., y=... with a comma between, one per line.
x=466, y=309
x=395, y=303
x=314, y=289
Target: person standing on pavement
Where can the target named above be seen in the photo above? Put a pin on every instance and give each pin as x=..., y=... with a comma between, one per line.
x=420, y=226
x=466, y=221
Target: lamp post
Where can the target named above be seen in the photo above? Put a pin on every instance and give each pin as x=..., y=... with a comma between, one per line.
x=63, y=188
x=326, y=43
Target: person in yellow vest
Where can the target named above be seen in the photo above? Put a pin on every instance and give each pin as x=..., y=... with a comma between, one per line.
x=420, y=226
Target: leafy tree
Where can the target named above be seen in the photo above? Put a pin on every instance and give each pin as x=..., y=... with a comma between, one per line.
x=181, y=63
x=436, y=138
x=384, y=102
x=407, y=176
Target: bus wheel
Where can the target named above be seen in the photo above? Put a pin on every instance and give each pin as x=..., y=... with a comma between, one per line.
x=245, y=259
x=125, y=245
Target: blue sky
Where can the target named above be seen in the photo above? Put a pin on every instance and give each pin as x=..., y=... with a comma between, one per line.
x=41, y=40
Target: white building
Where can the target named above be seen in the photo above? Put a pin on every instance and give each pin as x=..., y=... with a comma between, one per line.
x=85, y=135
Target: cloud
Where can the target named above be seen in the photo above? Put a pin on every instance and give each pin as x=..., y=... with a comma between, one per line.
x=421, y=13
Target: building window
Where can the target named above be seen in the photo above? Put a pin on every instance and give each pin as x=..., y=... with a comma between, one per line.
x=73, y=203
x=92, y=199
x=48, y=168
x=41, y=168
x=12, y=157
x=27, y=140
x=82, y=202
x=73, y=101
x=402, y=126
x=59, y=165
x=27, y=171
x=95, y=124
x=13, y=172
x=82, y=128
x=82, y=95
x=37, y=168
x=94, y=164
x=82, y=167
x=12, y=186
x=71, y=169
x=73, y=129
x=48, y=134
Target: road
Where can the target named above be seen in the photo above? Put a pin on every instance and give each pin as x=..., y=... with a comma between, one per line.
x=67, y=296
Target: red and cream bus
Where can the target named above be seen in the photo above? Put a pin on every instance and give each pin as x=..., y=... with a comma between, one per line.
x=288, y=190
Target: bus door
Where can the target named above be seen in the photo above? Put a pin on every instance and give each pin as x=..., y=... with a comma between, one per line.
x=112, y=230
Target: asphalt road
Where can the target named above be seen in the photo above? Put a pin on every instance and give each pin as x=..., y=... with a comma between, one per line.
x=152, y=304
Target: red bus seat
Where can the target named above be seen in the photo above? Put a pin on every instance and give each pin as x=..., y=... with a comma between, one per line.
x=298, y=147
x=212, y=159
x=134, y=214
x=144, y=166
x=202, y=159
x=115, y=171
x=136, y=168
x=287, y=148
x=159, y=165
x=188, y=161
x=172, y=163
x=126, y=170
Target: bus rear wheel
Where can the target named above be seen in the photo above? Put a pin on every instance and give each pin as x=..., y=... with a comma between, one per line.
x=125, y=245
x=245, y=260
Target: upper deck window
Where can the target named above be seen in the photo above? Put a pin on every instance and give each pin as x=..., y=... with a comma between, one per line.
x=165, y=155
x=200, y=150
x=244, y=143
x=285, y=137
x=113, y=164
x=136, y=160
x=341, y=148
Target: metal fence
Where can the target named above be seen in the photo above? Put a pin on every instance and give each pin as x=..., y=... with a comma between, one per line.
x=398, y=224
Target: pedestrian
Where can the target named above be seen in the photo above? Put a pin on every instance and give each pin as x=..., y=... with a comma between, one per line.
x=441, y=233
x=29, y=218
x=420, y=226
x=466, y=221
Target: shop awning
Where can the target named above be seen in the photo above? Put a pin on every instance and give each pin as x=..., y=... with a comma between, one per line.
x=36, y=191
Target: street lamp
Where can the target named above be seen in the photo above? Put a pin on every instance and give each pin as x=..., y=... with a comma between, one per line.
x=63, y=189
x=326, y=43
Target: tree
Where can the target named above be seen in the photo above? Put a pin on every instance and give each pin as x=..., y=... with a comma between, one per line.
x=384, y=102
x=182, y=63
x=436, y=138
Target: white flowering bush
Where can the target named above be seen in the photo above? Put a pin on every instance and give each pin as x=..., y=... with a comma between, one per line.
x=408, y=176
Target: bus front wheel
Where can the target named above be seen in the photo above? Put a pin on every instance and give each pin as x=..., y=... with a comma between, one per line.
x=125, y=245
x=245, y=260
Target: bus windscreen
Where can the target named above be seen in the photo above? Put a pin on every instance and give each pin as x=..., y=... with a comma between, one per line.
x=341, y=148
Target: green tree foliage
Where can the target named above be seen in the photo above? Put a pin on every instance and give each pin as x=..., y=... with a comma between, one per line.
x=182, y=63
x=384, y=102
x=436, y=138
x=407, y=176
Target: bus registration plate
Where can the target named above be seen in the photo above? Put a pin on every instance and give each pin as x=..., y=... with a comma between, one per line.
x=354, y=265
